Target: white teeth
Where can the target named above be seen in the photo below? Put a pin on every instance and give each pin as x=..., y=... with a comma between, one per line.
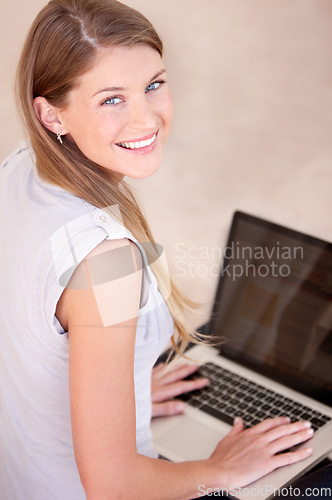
x=138, y=145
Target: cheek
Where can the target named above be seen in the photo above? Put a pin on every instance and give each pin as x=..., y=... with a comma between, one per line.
x=166, y=113
x=169, y=105
x=103, y=130
x=95, y=124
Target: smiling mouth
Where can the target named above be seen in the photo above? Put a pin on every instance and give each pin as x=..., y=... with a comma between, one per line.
x=138, y=144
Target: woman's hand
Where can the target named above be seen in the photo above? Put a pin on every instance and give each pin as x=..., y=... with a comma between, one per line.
x=168, y=382
x=244, y=456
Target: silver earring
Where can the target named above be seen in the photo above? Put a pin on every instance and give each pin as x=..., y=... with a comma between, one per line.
x=58, y=136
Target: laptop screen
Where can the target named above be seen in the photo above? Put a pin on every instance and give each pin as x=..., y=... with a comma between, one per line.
x=273, y=305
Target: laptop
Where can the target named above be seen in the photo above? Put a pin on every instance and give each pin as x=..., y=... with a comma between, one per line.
x=273, y=315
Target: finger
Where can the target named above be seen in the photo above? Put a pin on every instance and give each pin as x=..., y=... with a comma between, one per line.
x=167, y=408
x=291, y=457
x=178, y=372
x=162, y=370
x=238, y=427
x=288, y=429
x=289, y=441
x=158, y=370
x=169, y=391
x=268, y=424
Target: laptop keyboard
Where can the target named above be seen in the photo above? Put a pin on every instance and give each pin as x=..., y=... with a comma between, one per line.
x=230, y=395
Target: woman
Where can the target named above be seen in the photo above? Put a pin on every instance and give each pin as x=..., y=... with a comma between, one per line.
x=83, y=316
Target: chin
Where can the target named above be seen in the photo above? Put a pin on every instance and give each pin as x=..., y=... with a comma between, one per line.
x=143, y=168
x=142, y=173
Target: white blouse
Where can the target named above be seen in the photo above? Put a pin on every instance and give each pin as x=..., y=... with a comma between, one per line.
x=46, y=232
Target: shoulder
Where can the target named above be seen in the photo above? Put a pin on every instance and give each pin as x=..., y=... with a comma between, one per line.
x=105, y=287
x=109, y=261
x=21, y=153
x=123, y=249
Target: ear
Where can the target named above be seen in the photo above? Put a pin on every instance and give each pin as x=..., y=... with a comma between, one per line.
x=49, y=116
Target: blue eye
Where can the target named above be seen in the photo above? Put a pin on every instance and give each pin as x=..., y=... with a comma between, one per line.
x=154, y=85
x=112, y=101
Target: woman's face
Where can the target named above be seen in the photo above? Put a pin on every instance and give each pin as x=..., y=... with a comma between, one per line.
x=121, y=111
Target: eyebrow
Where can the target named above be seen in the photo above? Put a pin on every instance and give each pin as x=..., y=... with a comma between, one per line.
x=119, y=89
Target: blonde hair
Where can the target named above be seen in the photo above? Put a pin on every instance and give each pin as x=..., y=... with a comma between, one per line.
x=60, y=47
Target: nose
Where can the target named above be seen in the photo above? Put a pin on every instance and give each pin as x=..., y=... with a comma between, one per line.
x=142, y=115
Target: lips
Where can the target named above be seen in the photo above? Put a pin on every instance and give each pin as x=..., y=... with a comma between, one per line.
x=139, y=144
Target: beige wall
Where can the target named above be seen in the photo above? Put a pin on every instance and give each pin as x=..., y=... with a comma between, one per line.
x=252, y=88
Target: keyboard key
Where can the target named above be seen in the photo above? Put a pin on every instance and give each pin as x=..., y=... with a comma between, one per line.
x=195, y=393
x=317, y=422
x=217, y=394
x=239, y=413
x=207, y=390
x=184, y=397
x=202, y=398
x=260, y=395
x=195, y=403
x=260, y=387
x=214, y=412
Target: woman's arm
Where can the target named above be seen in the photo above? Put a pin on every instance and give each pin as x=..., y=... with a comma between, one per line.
x=101, y=380
x=101, y=319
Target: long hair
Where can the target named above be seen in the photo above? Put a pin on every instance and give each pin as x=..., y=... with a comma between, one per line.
x=60, y=47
